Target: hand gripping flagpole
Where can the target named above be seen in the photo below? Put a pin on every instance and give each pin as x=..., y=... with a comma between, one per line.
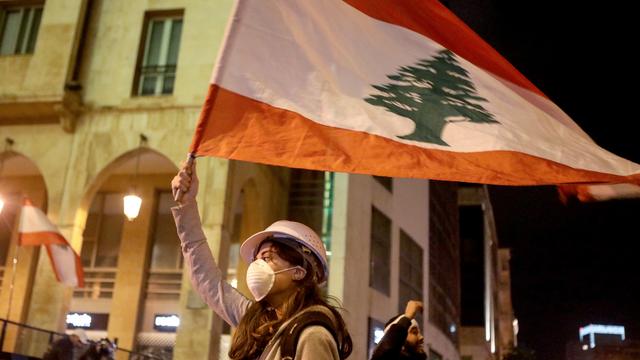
x=190, y=158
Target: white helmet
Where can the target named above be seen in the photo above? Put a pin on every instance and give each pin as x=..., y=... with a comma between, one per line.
x=301, y=233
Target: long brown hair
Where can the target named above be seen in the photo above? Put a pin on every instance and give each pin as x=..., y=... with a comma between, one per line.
x=260, y=323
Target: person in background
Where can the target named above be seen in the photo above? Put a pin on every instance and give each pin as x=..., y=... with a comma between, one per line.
x=103, y=349
x=69, y=347
x=402, y=337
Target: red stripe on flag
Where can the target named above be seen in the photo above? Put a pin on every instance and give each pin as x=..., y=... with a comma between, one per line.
x=40, y=238
x=249, y=130
x=433, y=20
x=205, y=114
x=79, y=270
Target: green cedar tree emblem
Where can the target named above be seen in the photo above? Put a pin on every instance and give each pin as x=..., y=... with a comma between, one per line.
x=432, y=93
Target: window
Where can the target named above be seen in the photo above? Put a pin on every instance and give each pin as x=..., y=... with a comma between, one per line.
x=311, y=201
x=19, y=29
x=380, y=260
x=387, y=182
x=444, y=258
x=166, y=253
x=103, y=231
x=410, y=273
x=158, y=58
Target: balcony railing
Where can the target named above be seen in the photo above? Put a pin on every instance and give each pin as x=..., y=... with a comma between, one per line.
x=164, y=284
x=29, y=342
x=98, y=283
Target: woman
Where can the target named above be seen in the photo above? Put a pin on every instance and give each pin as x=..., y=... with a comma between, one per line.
x=287, y=262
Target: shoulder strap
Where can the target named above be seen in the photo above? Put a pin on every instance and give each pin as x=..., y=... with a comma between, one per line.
x=291, y=334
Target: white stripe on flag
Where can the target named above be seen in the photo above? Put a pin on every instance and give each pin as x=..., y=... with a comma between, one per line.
x=63, y=259
x=32, y=220
x=35, y=225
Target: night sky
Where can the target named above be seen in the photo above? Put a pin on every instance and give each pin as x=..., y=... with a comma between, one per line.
x=579, y=263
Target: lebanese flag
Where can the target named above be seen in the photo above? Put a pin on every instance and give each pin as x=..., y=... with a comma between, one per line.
x=36, y=229
x=390, y=88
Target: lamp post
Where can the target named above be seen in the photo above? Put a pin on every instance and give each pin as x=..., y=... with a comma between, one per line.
x=132, y=202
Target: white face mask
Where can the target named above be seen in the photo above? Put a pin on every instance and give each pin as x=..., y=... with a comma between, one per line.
x=260, y=278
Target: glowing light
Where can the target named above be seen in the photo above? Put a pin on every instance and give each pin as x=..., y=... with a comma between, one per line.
x=167, y=321
x=585, y=347
x=234, y=283
x=79, y=320
x=593, y=329
x=132, y=205
x=377, y=335
x=452, y=328
x=1, y=204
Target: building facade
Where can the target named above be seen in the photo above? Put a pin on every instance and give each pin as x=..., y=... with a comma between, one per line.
x=600, y=342
x=492, y=332
x=100, y=99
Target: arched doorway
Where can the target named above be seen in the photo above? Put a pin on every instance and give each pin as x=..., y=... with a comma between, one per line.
x=132, y=267
x=20, y=178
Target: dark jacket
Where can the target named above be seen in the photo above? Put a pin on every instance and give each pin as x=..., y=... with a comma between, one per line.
x=61, y=349
x=390, y=346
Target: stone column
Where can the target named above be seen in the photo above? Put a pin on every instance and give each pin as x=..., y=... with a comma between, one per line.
x=133, y=257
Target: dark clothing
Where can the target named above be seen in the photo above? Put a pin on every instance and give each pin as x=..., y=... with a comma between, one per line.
x=101, y=350
x=61, y=349
x=392, y=343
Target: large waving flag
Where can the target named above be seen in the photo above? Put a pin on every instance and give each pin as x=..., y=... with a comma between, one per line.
x=392, y=88
x=35, y=229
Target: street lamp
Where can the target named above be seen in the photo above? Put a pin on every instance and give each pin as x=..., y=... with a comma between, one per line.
x=132, y=202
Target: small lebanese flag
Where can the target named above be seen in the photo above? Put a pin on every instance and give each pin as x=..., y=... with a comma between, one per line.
x=36, y=229
x=391, y=88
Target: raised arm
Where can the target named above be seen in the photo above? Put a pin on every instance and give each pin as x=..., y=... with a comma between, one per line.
x=390, y=346
x=206, y=277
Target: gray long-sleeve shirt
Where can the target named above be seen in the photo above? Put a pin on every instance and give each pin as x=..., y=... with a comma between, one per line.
x=315, y=342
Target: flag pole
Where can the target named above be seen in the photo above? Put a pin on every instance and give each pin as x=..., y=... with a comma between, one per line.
x=190, y=158
x=13, y=277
